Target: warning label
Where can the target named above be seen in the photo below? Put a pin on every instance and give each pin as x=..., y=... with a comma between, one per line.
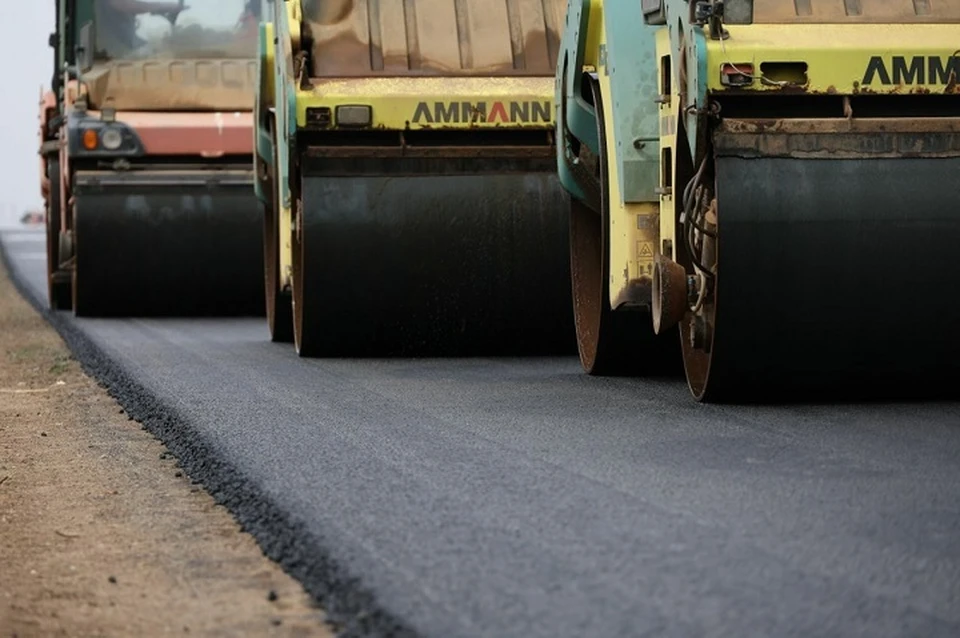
x=645, y=258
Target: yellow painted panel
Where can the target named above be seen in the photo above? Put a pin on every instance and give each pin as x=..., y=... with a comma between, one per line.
x=846, y=59
x=426, y=103
x=286, y=250
x=668, y=146
x=594, y=34
x=851, y=11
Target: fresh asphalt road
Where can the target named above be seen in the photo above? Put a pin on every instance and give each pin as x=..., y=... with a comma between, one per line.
x=522, y=498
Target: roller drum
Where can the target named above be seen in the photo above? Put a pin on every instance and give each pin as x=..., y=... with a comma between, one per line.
x=836, y=277
x=168, y=245
x=433, y=265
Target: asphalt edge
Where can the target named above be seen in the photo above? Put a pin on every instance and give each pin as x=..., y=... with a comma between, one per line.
x=351, y=610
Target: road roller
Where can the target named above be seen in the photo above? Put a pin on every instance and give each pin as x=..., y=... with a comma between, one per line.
x=811, y=148
x=146, y=145
x=406, y=160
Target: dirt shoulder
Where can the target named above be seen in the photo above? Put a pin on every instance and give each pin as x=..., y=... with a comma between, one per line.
x=100, y=533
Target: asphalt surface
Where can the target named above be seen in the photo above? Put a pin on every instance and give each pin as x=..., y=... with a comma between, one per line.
x=522, y=498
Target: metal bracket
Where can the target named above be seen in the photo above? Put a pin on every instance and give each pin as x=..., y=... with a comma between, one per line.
x=711, y=12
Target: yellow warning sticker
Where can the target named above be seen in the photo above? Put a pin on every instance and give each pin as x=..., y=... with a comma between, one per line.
x=644, y=251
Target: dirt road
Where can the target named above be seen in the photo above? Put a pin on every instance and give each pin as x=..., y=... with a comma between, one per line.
x=100, y=533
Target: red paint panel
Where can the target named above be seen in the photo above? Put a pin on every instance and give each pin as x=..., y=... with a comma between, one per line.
x=203, y=134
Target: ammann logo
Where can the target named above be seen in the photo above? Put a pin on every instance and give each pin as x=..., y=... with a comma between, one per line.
x=466, y=112
x=919, y=69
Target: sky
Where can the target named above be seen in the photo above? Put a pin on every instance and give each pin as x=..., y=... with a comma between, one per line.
x=29, y=65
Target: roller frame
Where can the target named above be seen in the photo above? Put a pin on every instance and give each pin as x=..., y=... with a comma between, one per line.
x=275, y=127
x=620, y=183
x=59, y=280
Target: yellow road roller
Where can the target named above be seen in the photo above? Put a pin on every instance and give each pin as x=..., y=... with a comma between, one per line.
x=405, y=157
x=811, y=148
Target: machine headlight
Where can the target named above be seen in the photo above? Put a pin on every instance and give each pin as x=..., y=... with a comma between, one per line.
x=111, y=138
x=354, y=115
